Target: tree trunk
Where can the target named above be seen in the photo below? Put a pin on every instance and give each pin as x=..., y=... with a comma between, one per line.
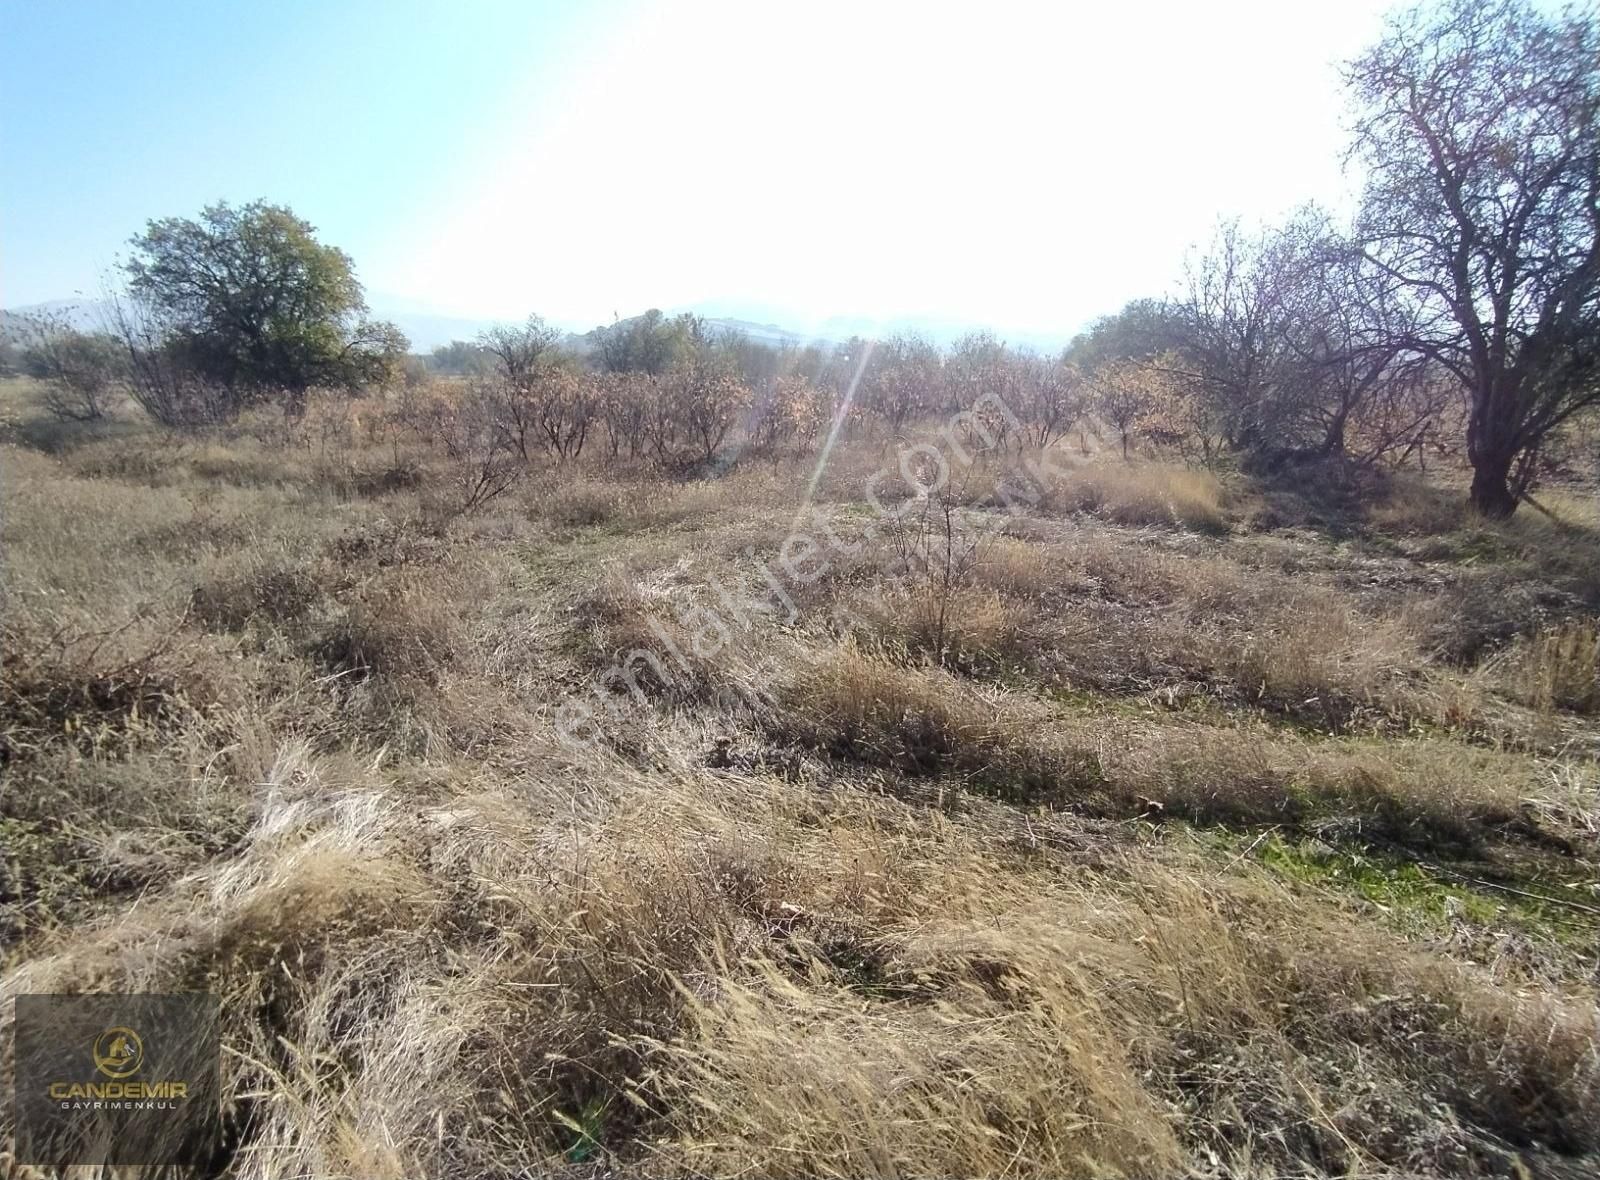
x=1491, y=485
x=1492, y=451
x=1333, y=440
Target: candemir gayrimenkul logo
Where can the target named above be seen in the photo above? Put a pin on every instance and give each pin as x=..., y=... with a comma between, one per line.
x=118, y=1052
x=128, y=1078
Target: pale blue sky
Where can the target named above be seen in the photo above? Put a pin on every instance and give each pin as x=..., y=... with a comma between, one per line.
x=1026, y=165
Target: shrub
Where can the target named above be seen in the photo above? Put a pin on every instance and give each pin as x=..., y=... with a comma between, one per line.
x=276, y=592
x=81, y=370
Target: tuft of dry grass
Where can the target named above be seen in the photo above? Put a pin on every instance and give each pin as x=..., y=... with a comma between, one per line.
x=1144, y=493
x=967, y=627
x=1558, y=668
x=273, y=588
x=1015, y=1074
x=924, y=721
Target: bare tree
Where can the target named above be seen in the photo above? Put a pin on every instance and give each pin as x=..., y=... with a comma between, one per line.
x=1479, y=128
x=81, y=370
x=1342, y=332
x=521, y=350
x=1052, y=396
x=625, y=399
x=1232, y=333
x=1123, y=392
x=901, y=380
x=162, y=377
x=567, y=402
x=705, y=398
x=977, y=366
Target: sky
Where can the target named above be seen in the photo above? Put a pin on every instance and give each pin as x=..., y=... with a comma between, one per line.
x=1020, y=166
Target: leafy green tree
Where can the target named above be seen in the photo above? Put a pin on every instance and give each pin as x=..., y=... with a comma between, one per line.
x=649, y=343
x=257, y=305
x=374, y=356
x=1143, y=329
x=459, y=358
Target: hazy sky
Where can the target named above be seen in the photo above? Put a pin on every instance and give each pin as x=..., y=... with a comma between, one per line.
x=1026, y=166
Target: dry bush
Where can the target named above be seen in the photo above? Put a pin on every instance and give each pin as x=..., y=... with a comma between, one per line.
x=1200, y=586
x=1417, y=793
x=435, y=656
x=799, y=1079
x=1029, y=569
x=1560, y=544
x=1482, y=612
x=1068, y=1030
x=237, y=466
x=144, y=461
x=1414, y=507
x=1572, y=507
x=442, y=657
x=718, y=501
x=697, y=500
x=1172, y=627
x=652, y=639
x=1318, y=658
x=87, y=828
x=359, y=888
x=112, y=687
x=927, y=599
x=569, y=501
x=274, y=588
x=403, y=630
x=923, y=721
x=107, y=736
x=480, y=460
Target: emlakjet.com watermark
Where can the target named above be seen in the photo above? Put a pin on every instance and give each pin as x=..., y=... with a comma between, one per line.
x=922, y=470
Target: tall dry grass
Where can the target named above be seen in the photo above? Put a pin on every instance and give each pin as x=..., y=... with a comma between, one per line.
x=279, y=722
x=732, y=974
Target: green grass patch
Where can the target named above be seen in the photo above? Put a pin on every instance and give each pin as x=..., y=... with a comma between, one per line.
x=1420, y=898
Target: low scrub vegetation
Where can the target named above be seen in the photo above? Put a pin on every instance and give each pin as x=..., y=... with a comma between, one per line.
x=803, y=824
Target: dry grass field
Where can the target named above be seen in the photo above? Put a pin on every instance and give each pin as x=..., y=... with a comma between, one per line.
x=782, y=823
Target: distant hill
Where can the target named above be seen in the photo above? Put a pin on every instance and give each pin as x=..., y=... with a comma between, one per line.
x=760, y=318
x=428, y=330
x=425, y=330
x=765, y=333
x=84, y=314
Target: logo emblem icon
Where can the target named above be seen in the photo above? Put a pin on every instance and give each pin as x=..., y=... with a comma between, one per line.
x=118, y=1052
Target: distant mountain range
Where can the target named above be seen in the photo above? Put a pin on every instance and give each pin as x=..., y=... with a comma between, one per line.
x=428, y=330
x=425, y=330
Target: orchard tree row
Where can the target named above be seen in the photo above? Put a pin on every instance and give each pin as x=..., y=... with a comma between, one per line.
x=1458, y=308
